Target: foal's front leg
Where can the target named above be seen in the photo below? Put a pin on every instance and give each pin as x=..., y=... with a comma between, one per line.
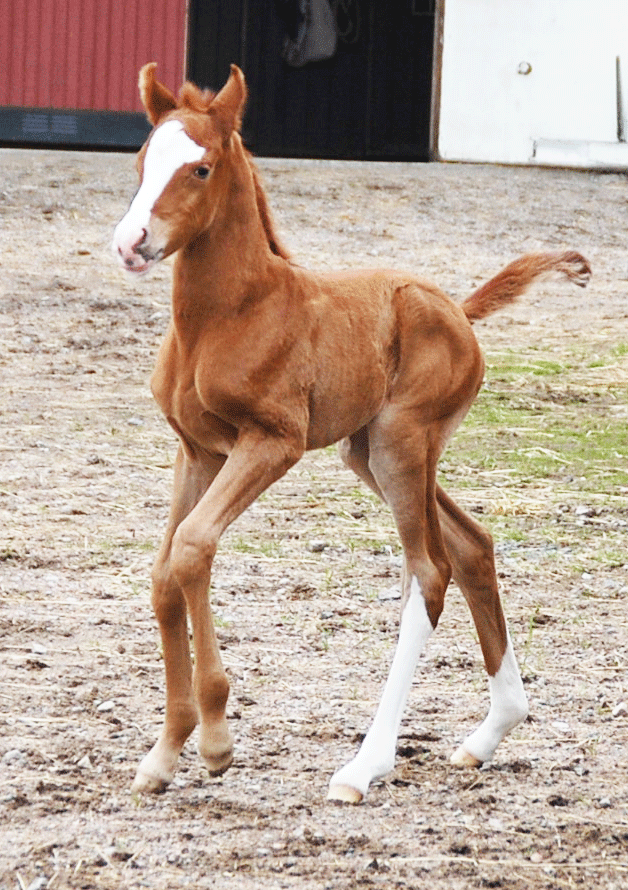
x=156, y=770
x=255, y=463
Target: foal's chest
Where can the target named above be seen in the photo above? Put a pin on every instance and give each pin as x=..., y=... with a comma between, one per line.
x=175, y=389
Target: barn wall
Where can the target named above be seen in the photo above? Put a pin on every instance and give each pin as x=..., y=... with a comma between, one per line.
x=85, y=54
x=491, y=112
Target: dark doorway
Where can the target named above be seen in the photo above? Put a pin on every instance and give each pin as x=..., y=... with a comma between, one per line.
x=371, y=100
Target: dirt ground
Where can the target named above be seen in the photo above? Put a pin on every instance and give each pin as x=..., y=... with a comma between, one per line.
x=306, y=634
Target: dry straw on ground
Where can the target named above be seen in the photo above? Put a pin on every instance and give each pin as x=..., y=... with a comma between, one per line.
x=84, y=487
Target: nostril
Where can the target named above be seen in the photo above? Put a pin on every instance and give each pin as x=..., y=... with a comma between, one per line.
x=141, y=241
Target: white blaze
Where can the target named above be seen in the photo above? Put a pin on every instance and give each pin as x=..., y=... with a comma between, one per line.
x=169, y=149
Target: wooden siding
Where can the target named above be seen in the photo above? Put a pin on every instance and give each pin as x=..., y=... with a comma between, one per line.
x=85, y=54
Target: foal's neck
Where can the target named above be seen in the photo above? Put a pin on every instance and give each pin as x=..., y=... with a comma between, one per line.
x=219, y=271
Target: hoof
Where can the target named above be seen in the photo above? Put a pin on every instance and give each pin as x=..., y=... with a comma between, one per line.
x=217, y=765
x=146, y=783
x=344, y=793
x=461, y=757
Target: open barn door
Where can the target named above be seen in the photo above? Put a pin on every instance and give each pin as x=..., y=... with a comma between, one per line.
x=370, y=98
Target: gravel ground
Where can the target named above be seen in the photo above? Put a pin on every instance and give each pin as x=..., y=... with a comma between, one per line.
x=306, y=635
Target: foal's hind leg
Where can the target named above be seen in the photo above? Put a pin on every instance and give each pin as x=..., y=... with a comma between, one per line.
x=471, y=552
x=470, y=549
x=157, y=769
x=403, y=475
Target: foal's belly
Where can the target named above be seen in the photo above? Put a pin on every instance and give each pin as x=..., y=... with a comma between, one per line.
x=336, y=418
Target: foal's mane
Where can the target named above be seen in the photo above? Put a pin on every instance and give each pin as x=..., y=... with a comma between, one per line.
x=190, y=96
x=274, y=242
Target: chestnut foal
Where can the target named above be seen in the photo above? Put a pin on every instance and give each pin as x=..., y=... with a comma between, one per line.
x=264, y=360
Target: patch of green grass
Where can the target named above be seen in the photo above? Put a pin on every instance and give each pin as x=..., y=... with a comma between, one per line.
x=111, y=545
x=510, y=365
x=221, y=622
x=254, y=546
x=546, y=440
x=358, y=543
x=543, y=438
x=534, y=432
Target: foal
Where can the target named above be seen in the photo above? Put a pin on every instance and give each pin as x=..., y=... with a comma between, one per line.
x=264, y=360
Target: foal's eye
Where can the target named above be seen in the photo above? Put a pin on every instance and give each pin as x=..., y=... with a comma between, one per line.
x=202, y=172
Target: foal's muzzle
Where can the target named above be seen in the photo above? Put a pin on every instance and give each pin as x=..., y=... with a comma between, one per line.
x=136, y=254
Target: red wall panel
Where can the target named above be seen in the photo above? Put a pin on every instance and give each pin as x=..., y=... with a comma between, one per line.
x=86, y=53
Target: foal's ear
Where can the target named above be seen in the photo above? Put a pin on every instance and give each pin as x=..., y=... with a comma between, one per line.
x=228, y=105
x=156, y=98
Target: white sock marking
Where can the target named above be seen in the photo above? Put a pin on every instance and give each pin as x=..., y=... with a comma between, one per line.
x=376, y=756
x=509, y=706
x=169, y=149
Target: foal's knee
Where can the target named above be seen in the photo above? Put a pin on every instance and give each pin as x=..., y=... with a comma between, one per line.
x=191, y=555
x=166, y=598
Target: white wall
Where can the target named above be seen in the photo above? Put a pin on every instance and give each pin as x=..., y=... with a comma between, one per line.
x=490, y=112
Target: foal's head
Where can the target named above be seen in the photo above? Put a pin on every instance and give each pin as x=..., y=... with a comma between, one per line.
x=177, y=196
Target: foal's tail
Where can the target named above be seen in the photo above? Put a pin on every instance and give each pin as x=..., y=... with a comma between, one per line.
x=512, y=281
